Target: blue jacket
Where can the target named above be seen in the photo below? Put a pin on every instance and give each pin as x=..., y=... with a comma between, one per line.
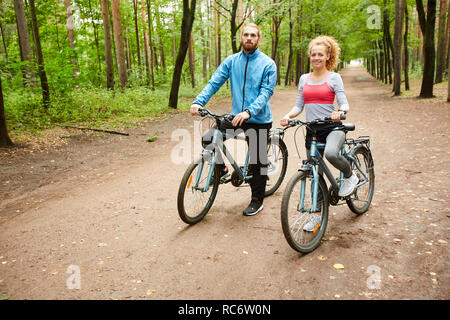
x=252, y=77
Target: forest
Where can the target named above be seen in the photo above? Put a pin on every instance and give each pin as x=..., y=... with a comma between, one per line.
x=110, y=63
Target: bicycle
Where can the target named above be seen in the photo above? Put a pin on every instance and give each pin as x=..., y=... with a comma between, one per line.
x=200, y=182
x=306, y=195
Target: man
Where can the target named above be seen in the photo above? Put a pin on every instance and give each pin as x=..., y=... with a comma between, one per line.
x=253, y=76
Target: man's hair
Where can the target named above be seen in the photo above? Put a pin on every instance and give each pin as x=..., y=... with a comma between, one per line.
x=253, y=26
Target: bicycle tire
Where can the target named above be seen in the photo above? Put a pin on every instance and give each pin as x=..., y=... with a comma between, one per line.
x=359, y=201
x=289, y=206
x=186, y=184
x=274, y=181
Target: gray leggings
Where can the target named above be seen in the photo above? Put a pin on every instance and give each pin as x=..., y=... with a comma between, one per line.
x=335, y=140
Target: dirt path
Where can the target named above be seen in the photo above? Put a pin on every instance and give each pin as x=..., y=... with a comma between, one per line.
x=107, y=205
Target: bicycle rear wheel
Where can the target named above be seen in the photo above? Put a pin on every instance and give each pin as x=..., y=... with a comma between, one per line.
x=296, y=215
x=277, y=156
x=360, y=200
x=193, y=202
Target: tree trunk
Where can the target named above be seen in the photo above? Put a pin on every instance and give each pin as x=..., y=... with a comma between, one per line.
x=406, y=67
x=389, y=50
x=108, y=50
x=233, y=26
x=96, y=42
x=29, y=77
x=4, y=137
x=70, y=34
x=441, y=60
x=161, y=45
x=427, y=25
x=40, y=58
x=289, y=64
x=398, y=28
x=150, y=43
x=186, y=29
x=2, y=31
x=136, y=28
x=192, y=61
x=217, y=34
x=118, y=39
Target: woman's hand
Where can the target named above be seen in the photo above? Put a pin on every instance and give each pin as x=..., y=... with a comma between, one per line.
x=284, y=121
x=194, y=109
x=336, y=116
x=240, y=118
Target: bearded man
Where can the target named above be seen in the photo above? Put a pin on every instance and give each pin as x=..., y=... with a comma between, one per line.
x=253, y=77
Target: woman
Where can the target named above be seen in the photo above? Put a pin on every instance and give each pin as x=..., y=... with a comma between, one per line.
x=316, y=92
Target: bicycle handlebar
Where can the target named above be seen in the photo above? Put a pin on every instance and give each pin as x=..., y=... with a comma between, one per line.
x=205, y=112
x=293, y=123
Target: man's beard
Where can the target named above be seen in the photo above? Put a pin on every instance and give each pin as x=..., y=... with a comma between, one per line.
x=249, y=46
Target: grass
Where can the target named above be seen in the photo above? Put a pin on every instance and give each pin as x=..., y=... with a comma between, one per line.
x=100, y=108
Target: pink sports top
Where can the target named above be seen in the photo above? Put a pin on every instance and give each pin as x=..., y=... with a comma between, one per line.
x=319, y=93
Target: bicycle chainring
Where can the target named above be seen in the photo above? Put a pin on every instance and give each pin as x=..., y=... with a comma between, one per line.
x=236, y=179
x=333, y=196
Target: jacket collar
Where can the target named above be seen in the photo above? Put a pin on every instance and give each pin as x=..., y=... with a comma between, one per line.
x=252, y=55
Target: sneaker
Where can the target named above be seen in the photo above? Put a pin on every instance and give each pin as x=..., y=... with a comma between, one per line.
x=224, y=173
x=253, y=208
x=313, y=222
x=348, y=186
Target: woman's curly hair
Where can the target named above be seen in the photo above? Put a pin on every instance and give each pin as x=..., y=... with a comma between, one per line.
x=332, y=47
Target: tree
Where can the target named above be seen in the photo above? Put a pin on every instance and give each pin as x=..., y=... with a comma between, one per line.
x=427, y=25
x=118, y=39
x=70, y=33
x=398, y=28
x=405, y=39
x=24, y=43
x=108, y=50
x=441, y=45
x=4, y=137
x=186, y=29
x=40, y=57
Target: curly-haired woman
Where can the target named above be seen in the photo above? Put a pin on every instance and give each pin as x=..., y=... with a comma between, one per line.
x=316, y=93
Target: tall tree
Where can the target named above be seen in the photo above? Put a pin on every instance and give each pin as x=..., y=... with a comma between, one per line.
x=118, y=39
x=289, y=66
x=427, y=25
x=192, y=60
x=186, y=29
x=70, y=33
x=441, y=45
x=24, y=43
x=398, y=28
x=2, y=31
x=136, y=28
x=40, y=57
x=405, y=39
x=4, y=137
x=148, y=57
x=107, y=41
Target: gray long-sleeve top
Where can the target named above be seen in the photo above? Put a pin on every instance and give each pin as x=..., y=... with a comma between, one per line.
x=319, y=110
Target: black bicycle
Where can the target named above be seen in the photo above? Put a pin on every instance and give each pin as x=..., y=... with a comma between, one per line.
x=200, y=183
x=306, y=199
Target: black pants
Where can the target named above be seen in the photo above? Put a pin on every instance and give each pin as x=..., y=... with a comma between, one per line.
x=256, y=136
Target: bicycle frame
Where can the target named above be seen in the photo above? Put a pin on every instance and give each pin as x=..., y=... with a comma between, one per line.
x=217, y=144
x=315, y=162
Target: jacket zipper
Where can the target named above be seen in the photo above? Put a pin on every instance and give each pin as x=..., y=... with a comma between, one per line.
x=245, y=79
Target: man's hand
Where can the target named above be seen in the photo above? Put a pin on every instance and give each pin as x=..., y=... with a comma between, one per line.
x=240, y=118
x=194, y=109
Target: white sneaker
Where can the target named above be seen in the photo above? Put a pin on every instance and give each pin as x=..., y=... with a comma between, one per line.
x=348, y=186
x=311, y=225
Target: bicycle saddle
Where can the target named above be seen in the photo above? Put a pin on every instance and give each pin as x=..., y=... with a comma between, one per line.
x=346, y=127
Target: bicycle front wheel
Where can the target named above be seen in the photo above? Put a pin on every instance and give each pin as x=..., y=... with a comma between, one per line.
x=360, y=200
x=277, y=156
x=193, y=201
x=304, y=226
